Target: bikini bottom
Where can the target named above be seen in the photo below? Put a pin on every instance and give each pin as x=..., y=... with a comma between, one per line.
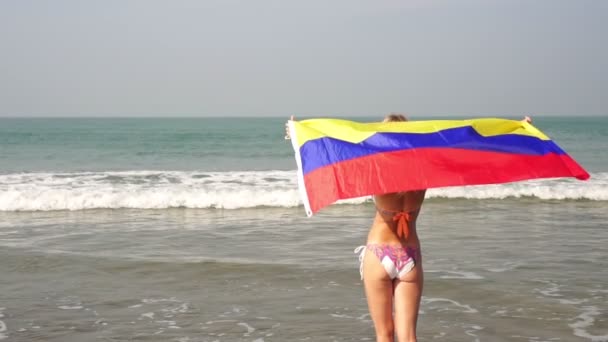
x=396, y=260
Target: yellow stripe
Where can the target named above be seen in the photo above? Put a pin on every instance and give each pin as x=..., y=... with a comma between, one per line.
x=356, y=132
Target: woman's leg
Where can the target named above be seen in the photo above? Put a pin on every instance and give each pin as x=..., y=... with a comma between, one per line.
x=379, y=292
x=408, y=292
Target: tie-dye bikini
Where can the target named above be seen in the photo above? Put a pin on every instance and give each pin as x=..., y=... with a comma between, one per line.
x=397, y=260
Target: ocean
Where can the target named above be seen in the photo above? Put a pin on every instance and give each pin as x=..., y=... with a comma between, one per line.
x=191, y=229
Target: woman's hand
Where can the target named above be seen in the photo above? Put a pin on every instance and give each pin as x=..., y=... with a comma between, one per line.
x=287, y=135
x=527, y=119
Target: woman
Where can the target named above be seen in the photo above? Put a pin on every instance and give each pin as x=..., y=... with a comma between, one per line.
x=391, y=263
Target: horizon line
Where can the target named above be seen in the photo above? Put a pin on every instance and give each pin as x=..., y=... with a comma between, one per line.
x=169, y=116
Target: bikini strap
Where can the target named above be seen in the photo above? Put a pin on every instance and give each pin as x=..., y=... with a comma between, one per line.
x=395, y=212
x=403, y=224
x=402, y=218
x=361, y=251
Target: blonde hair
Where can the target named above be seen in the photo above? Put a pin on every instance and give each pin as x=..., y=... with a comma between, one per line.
x=394, y=118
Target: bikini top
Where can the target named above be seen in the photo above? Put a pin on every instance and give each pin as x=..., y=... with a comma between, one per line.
x=402, y=218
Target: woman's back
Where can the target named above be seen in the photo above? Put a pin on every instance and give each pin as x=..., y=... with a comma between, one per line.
x=395, y=220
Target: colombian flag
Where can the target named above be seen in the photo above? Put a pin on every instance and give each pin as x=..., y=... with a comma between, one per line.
x=340, y=159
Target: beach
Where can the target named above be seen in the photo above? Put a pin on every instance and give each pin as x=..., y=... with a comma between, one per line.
x=193, y=230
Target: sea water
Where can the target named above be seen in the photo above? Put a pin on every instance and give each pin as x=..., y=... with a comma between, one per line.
x=191, y=229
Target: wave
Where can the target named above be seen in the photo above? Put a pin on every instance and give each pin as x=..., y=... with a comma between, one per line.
x=230, y=190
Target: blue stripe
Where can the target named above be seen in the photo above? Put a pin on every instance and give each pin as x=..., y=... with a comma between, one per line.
x=326, y=151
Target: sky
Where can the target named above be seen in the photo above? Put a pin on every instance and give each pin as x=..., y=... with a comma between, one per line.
x=308, y=58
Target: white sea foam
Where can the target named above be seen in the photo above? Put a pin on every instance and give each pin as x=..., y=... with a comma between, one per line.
x=70, y=307
x=2, y=326
x=465, y=308
x=506, y=266
x=149, y=315
x=341, y=316
x=229, y=190
x=249, y=328
x=595, y=189
x=159, y=300
x=552, y=290
x=457, y=275
x=444, y=274
x=585, y=320
x=472, y=329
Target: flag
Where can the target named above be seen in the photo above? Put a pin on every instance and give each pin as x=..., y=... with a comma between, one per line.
x=339, y=159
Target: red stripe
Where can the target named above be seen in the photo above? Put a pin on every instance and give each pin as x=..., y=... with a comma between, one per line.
x=424, y=168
